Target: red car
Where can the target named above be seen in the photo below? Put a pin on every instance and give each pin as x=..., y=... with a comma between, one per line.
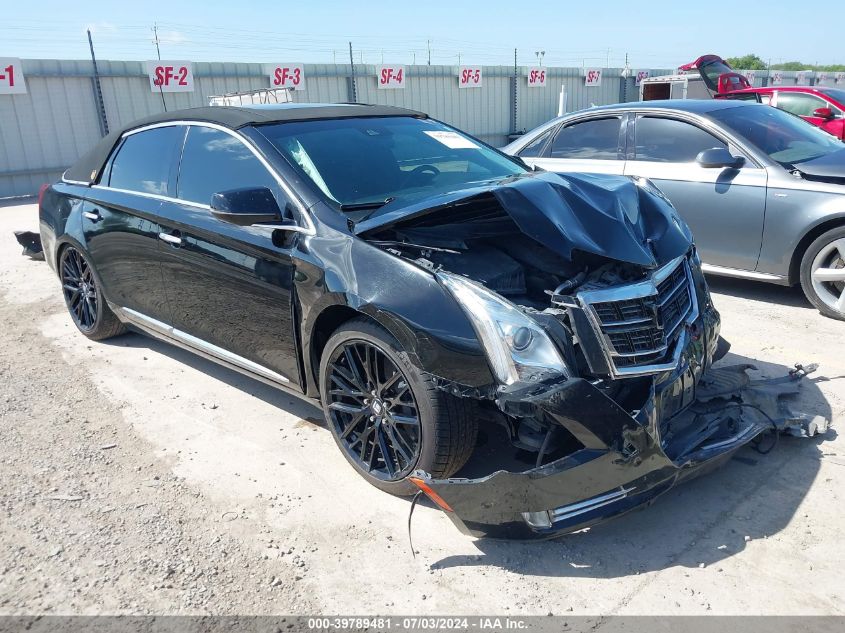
x=821, y=106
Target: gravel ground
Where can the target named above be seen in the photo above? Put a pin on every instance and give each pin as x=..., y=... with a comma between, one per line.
x=137, y=478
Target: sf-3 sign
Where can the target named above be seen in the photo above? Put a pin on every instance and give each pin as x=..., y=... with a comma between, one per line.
x=287, y=76
x=170, y=76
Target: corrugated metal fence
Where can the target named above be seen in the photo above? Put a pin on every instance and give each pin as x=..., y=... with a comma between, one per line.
x=57, y=120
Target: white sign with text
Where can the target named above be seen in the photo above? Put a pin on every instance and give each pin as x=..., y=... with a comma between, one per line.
x=170, y=76
x=777, y=78
x=642, y=74
x=592, y=76
x=11, y=76
x=287, y=76
x=536, y=77
x=390, y=76
x=469, y=77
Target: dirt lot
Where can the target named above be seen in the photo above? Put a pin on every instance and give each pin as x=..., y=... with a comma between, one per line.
x=137, y=478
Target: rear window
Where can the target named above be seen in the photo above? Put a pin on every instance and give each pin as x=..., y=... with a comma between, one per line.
x=144, y=160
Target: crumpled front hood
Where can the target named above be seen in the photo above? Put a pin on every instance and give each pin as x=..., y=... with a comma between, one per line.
x=599, y=214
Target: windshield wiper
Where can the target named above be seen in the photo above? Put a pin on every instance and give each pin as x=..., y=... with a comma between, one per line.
x=363, y=206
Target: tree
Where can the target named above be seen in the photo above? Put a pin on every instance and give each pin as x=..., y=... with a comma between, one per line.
x=747, y=62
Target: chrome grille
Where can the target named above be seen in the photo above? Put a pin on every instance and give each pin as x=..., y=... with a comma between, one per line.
x=641, y=323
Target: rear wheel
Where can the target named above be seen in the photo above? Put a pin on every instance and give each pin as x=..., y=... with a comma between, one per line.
x=387, y=417
x=84, y=297
x=823, y=273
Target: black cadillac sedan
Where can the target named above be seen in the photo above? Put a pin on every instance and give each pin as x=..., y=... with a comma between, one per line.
x=429, y=291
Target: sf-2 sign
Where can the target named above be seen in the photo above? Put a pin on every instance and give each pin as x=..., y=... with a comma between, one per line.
x=469, y=77
x=170, y=76
x=287, y=76
x=536, y=77
x=390, y=77
x=11, y=76
x=592, y=76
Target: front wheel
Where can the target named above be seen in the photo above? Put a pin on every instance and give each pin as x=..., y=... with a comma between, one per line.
x=823, y=273
x=387, y=417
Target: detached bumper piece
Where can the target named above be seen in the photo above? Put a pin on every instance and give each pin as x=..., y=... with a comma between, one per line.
x=626, y=460
x=31, y=243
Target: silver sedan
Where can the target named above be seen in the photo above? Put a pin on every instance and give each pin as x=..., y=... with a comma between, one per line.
x=762, y=190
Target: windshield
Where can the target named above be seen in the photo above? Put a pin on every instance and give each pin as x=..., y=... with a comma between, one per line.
x=362, y=163
x=784, y=137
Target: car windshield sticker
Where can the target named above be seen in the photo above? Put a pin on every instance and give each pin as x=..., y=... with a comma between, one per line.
x=452, y=140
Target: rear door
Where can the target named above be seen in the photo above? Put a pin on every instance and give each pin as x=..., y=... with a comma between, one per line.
x=120, y=219
x=229, y=287
x=724, y=207
x=594, y=145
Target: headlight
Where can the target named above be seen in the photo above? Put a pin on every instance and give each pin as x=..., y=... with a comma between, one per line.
x=517, y=348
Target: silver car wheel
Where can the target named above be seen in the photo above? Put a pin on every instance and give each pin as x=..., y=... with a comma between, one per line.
x=828, y=275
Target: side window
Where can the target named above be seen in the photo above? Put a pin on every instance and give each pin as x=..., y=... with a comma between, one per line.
x=799, y=103
x=534, y=147
x=214, y=161
x=144, y=159
x=671, y=141
x=596, y=139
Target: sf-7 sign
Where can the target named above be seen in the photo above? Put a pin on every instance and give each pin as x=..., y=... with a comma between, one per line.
x=170, y=76
x=592, y=76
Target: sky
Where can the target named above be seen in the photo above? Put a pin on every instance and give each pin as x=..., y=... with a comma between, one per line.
x=651, y=34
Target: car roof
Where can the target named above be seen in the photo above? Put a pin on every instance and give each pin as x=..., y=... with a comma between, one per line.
x=87, y=169
x=696, y=106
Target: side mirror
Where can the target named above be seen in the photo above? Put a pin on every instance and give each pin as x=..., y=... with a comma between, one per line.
x=245, y=207
x=718, y=157
x=823, y=113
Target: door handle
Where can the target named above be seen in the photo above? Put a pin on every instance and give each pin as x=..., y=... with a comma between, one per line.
x=94, y=215
x=171, y=238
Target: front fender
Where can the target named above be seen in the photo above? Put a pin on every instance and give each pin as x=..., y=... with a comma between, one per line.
x=406, y=300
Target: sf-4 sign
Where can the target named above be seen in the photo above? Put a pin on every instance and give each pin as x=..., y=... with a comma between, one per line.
x=469, y=77
x=170, y=76
x=390, y=76
x=536, y=77
x=287, y=76
x=592, y=76
x=11, y=76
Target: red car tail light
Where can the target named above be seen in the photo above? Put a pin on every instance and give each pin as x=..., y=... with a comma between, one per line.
x=41, y=191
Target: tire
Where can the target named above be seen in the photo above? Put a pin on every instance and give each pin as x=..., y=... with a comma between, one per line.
x=83, y=296
x=823, y=273
x=446, y=425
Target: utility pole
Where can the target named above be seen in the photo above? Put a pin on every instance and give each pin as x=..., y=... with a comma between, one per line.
x=607, y=64
x=352, y=81
x=428, y=46
x=459, y=59
x=98, y=91
x=514, y=84
x=155, y=41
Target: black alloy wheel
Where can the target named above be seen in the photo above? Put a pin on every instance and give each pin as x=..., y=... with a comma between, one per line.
x=373, y=411
x=80, y=289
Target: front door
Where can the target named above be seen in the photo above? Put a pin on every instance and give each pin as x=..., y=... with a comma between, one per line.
x=724, y=207
x=229, y=287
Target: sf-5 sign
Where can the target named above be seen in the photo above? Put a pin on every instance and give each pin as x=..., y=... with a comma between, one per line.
x=536, y=77
x=11, y=76
x=170, y=76
x=287, y=76
x=469, y=77
x=390, y=76
x=592, y=76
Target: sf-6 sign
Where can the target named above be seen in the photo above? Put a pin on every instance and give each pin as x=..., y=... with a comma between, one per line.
x=469, y=77
x=287, y=76
x=11, y=76
x=390, y=76
x=170, y=76
x=536, y=77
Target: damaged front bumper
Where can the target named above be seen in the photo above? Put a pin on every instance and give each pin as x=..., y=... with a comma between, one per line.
x=627, y=460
